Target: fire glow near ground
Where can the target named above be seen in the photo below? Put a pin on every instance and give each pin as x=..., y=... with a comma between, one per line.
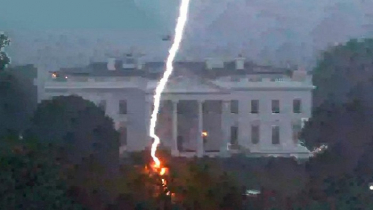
x=179, y=30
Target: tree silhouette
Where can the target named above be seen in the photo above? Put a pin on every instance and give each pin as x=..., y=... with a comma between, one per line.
x=4, y=59
x=79, y=127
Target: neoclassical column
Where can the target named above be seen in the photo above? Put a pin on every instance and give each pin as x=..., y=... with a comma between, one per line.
x=225, y=127
x=174, y=149
x=200, y=146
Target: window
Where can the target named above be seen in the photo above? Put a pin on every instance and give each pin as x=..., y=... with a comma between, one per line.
x=297, y=127
x=234, y=106
x=275, y=134
x=234, y=135
x=102, y=105
x=123, y=135
x=297, y=106
x=122, y=107
x=275, y=106
x=255, y=134
x=254, y=106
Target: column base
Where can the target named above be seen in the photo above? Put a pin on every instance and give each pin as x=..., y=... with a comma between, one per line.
x=200, y=153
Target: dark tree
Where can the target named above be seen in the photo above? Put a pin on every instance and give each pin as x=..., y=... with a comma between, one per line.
x=25, y=75
x=4, y=59
x=340, y=69
x=342, y=78
x=14, y=106
x=30, y=179
x=203, y=184
x=79, y=127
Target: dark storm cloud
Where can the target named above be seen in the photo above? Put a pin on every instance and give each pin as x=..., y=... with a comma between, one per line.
x=266, y=31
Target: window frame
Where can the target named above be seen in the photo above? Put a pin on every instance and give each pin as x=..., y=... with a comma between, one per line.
x=299, y=110
x=275, y=109
x=275, y=141
x=257, y=106
x=252, y=133
x=122, y=103
x=233, y=133
x=234, y=109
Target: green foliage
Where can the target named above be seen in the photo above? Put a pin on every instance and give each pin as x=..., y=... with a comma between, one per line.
x=30, y=179
x=4, y=59
x=203, y=184
x=79, y=127
x=197, y=184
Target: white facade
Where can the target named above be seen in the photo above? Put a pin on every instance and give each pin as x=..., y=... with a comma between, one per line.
x=200, y=115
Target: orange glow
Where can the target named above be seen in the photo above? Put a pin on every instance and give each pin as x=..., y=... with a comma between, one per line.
x=54, y=75
x=205, y=134
x=162, y=172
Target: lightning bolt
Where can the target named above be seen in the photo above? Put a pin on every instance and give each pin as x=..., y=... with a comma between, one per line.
x=179, y=31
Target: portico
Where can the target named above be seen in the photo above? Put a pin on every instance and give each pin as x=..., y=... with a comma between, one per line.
x=189, y=129
x=189, y=125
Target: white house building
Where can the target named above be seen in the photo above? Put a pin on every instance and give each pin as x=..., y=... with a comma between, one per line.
x=208, y=108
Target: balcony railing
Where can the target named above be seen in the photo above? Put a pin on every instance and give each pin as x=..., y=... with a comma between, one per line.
x=68, y=84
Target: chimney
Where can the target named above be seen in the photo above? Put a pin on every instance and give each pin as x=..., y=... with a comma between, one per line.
x=139, y=64
x=111, y=64
x=214, y=63
x=129, y=62
x=299, y=75
x=240, y=62
x=140, y=61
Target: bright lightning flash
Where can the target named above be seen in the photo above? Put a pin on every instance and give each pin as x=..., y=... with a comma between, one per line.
x=179, y=30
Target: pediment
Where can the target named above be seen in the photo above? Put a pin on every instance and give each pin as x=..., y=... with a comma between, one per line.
x=192, y=84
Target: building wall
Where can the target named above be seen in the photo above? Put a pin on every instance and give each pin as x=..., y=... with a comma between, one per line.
x=266, y=119
x=137, y=119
